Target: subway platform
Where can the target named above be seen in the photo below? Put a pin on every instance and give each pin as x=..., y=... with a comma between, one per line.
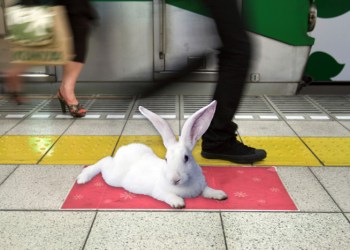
x=42, y=151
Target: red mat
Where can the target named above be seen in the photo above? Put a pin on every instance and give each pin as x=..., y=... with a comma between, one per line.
x=248, y=188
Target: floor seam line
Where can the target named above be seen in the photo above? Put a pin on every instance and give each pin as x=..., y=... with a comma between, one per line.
x=325, y=189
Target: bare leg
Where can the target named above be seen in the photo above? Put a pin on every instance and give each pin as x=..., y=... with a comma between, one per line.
x=71, y=72
x=13, y=82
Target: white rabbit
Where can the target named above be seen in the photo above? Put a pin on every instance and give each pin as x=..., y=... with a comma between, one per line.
x=137, y=169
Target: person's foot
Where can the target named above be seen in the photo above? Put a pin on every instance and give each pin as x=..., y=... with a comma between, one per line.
x=17, y=97
x=76, y=110
x=234, y=151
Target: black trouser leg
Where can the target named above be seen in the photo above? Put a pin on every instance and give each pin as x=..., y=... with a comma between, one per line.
x=234, y=59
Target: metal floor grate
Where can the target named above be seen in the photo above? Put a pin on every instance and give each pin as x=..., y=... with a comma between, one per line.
x=9, y=109
x=166, y=106
x=117, y=107
x=250, y=107
x=256, y=108
x=254, y=104
x=333, y=104
x=192, y=103
x=53, y=106
x=319, y=107
x=297, y=108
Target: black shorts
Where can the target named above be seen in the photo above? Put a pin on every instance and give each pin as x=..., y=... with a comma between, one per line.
x=80, y=26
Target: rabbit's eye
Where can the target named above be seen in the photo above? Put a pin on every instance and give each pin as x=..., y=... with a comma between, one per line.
x=186, y=158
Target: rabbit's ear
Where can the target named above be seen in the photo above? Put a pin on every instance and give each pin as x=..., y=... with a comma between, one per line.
x=161, y=125
x=197, y=124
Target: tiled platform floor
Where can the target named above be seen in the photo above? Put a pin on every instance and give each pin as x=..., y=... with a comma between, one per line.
x=53, y=151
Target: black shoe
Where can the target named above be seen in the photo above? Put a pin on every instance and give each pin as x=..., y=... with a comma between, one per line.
x=234, y=151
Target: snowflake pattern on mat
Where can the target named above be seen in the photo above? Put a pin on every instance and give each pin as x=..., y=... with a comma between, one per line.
x=78, y=197
x=99, y=184
x=256, y=179
x=261, y=201
x=127, y=196
x=274, y=189
x=240, y=194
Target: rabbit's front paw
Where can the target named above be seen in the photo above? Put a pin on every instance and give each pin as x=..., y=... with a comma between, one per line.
x=220, y=195
x=176, y=202
x=214, y=194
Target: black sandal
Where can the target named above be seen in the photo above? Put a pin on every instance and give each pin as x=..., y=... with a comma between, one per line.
x=76, y=110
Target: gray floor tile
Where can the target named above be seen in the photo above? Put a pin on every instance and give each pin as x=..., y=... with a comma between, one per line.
x=346, y=124
x=286, y=231
x=40, y=127
x=348, y=216
x=337, y=182
x=38, y=187
x=96, y=127
x=44, y=230
x=5, y=171
x=6, y=125
x=152, y=230
x=305, y=190
x=318, y=128
x=264, y=128
x=144, y=127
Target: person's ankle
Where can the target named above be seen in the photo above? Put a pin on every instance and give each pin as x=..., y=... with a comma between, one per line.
x=68, y=96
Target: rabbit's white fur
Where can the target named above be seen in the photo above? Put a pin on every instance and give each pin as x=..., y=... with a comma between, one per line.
x=137, y=169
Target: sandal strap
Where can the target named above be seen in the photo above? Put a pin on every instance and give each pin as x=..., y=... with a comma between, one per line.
x=76, y=108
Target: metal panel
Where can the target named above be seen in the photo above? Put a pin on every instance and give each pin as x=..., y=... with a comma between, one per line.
x=274, y=61
x=121, y=46
x=187, y=34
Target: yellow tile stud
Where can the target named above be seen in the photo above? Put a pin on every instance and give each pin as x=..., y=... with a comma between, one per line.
x=282, y=151
x=24, y=149
x=76, y=150
x=331, y=151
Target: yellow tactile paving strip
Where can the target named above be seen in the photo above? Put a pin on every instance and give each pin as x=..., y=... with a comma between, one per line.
x=283, y=151
x=84, y=150
x=24, y=149
x=331, y=151
x=155, y=142
x=80, y=150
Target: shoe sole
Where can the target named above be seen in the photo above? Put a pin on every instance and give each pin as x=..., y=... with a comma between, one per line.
x=249, y=159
